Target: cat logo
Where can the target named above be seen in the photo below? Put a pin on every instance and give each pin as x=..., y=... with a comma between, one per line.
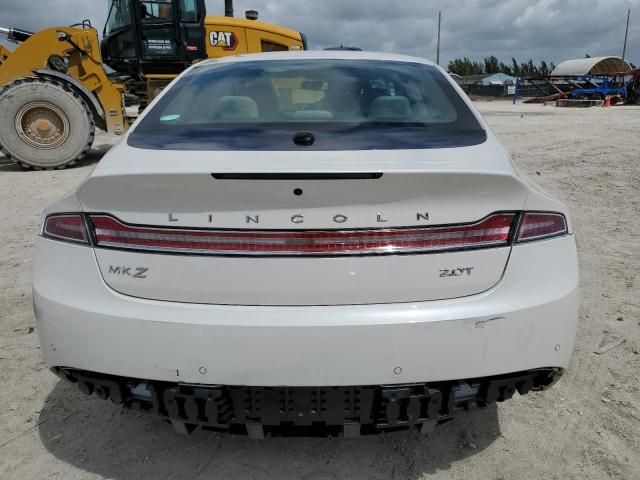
x=225, y=40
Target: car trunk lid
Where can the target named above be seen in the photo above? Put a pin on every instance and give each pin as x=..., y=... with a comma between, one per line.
x=393, y=221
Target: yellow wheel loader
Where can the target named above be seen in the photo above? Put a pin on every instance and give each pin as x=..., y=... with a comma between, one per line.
x=55, y=89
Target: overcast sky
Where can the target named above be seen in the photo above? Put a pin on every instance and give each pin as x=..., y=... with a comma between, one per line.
x=552, y=30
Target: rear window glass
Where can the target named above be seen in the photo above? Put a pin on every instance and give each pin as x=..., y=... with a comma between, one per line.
x=344, y=104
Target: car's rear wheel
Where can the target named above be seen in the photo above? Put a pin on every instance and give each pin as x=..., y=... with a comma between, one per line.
x=44, y=124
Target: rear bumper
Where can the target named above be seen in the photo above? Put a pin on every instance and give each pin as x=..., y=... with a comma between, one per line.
x=363, y=409
x=526, y=322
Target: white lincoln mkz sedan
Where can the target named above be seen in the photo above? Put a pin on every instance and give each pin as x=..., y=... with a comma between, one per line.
x=310, y=239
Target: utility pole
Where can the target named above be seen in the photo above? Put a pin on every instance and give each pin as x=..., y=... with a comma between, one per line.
x=626, y=34
x=438, y=47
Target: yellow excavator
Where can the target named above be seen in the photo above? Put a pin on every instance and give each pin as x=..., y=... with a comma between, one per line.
x=55, y=89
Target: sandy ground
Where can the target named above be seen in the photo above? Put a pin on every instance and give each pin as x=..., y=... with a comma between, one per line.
x=587, y=427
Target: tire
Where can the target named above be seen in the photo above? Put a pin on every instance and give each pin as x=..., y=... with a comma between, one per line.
x=44, y=124
x=597, y=96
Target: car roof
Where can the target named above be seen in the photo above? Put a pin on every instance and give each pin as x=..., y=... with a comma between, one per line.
x=316, y=55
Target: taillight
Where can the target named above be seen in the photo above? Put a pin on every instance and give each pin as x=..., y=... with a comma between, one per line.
x=66, y=227
x=493, y=231
x=536, y=226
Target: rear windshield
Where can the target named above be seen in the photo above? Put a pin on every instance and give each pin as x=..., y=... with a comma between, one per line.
x=343, y=104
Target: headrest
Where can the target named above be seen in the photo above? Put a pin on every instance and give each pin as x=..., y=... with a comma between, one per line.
x=312, y=115
x=237, y=108
x=389, y=109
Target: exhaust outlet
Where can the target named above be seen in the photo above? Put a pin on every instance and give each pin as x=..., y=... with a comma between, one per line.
x=228, y=8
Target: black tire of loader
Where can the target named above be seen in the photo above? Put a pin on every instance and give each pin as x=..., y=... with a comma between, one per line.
x=81, y=132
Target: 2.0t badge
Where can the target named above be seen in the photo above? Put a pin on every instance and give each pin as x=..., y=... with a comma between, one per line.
x=456, y=272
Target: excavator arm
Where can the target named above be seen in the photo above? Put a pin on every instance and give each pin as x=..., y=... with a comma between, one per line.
x=4, y=54
x=75, y=54
x=54, y=92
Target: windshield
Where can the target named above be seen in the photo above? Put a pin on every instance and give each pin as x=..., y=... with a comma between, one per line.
x=327, y=97
x=119, y=15
x=156, y=11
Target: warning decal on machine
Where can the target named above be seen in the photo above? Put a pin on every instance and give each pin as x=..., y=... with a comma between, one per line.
x=160, y=46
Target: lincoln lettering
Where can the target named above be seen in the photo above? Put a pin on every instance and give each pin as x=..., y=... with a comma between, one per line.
x=298, y=218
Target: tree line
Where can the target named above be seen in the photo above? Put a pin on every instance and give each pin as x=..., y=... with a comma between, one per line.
x=465, y=66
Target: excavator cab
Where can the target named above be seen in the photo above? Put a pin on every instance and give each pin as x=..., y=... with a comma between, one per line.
x=145, y=37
